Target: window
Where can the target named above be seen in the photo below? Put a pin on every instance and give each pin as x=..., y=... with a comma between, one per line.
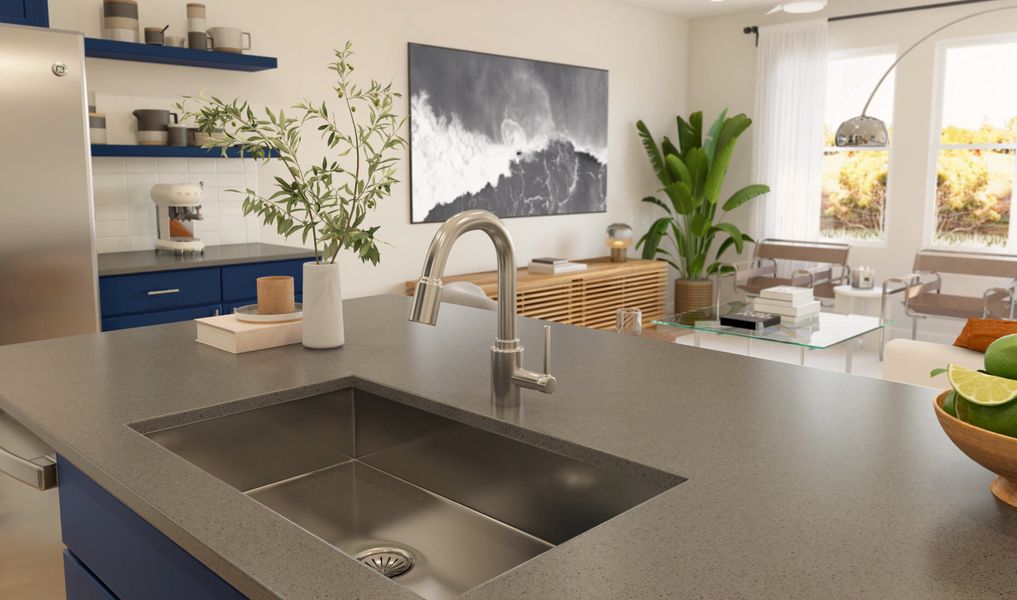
x=974, y=153
x=854, y=181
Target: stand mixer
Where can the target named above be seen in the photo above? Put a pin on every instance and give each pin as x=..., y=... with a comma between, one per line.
x=177, y=206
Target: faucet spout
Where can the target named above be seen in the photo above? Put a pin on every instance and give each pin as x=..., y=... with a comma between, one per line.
x=507, y=373
x=427, y=297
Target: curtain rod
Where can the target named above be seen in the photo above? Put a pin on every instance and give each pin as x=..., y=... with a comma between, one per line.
x=754, y=29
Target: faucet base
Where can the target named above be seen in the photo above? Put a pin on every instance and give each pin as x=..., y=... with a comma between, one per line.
x=506, y=359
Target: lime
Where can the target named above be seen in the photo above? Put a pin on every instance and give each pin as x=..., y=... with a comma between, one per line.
x=1001, y=357
x=1000, y=419
x=949, y=404
x=980, y=388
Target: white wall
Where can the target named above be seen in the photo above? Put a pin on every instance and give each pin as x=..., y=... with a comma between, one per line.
x=645, y=52
x=722, y=74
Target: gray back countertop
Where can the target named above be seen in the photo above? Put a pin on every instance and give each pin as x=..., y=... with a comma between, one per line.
x=801, y=483
x=148, y=261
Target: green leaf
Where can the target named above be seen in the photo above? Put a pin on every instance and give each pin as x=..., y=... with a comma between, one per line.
x=732, y=231
x=658, y=202
x=681, y=198
x=710, y=145
x=656, y=160
x=679, y=171
x=699, y=169
x=936, y=372
x=724, y=247
x=668, y=147
x=744, y=195
x=651, y=241
x=699, y=225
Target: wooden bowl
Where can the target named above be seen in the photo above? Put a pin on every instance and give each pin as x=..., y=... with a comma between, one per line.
x=994, y=451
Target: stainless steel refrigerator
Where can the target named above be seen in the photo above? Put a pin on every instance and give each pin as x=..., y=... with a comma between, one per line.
x=48, y=283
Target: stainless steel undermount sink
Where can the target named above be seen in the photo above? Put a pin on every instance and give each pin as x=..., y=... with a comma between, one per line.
x=438, y=506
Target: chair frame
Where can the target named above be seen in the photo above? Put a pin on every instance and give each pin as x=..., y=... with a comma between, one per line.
x=923, y=281
x=822, y=273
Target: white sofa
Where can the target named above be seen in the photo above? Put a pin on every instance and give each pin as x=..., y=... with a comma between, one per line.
x=910, y=361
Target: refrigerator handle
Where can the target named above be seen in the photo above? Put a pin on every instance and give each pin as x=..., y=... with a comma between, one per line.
x=39, y=472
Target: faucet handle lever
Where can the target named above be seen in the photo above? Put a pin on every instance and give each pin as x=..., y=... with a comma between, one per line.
x=547, y=349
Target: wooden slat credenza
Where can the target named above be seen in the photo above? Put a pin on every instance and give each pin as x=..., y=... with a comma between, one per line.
x=588, y=298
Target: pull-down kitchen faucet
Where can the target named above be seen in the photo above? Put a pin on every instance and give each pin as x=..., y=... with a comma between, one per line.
x=507, y=372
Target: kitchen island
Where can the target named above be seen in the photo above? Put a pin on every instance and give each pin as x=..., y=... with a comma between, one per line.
x=799, y=483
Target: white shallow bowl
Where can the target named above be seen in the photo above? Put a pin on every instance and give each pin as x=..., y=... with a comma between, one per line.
x=250, y=314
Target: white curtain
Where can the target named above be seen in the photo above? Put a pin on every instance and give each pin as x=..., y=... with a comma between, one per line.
x=788, y=123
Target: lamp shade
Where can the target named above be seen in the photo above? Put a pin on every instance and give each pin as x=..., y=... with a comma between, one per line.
x=862, y=132
x=619, y=238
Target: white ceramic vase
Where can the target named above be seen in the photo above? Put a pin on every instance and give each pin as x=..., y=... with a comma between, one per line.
x=323, y=306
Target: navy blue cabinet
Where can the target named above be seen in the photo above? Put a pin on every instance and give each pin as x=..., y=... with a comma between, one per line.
x=80, y=583
x=170, y=296
x=25, y=12
x=117, y=552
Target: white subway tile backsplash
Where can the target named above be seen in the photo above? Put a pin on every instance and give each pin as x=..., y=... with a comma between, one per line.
x=111, y=212
x=231, y=236
x=104, y=245
x=142, y=242
x=231, y=180
x=125, y=213
x=108, y=180
x=201, y=165
x=111, y=228
x=229, y=165
x=140, y=165
x=172, y=165
x=107, y=164
x=110, y=196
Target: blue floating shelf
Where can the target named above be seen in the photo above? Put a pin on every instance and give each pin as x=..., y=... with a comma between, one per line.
x=98, y=48
x=127, y=150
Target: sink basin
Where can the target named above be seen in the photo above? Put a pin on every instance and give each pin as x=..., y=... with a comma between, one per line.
x=438, y=506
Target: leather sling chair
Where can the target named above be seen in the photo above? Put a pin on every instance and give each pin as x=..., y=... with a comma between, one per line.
x=828, y=259
x=922, y=289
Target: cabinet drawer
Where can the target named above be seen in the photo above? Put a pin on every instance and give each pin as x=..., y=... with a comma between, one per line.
x=128, y=555
x=80, y=583
x=149, y=292
x=239, y=282
x=158, y=318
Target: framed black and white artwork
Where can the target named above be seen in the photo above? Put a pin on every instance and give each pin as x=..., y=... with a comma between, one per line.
x=512, y=136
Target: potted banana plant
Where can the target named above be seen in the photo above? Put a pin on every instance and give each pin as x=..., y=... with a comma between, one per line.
x=691, y=175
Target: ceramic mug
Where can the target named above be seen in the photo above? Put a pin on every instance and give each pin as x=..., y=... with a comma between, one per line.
x=154, y=119
x=176, y=135
x=229, y=39
x=198, y=40
x=155, y=36
x=175, y=41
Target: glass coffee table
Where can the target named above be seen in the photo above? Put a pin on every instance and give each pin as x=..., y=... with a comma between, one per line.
x=827, y=331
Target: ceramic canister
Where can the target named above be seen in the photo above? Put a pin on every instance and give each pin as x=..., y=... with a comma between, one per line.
x=120, y=14
x=97, y=127
x=196, y=17
x=155, y=36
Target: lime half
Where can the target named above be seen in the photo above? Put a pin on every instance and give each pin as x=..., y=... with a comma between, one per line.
x=981, y=388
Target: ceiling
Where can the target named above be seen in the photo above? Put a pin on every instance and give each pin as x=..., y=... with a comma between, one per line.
x=694, y=9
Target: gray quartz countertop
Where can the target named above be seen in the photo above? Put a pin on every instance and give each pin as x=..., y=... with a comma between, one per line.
x=801, y=483
x=147, y=261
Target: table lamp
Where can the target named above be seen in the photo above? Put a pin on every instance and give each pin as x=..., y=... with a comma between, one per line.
x=619, y=238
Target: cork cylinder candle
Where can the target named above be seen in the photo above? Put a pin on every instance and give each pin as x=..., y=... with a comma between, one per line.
x=275, y=295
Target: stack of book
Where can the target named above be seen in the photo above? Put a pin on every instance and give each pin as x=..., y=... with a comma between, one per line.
x=228, y=333
x=549, y=265
x=796, y=306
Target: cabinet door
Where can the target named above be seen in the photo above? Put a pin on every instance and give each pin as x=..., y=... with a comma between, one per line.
x=158, y=318
x=80, y=583
x=127, y=554
x=240, y=282
x=25, y=12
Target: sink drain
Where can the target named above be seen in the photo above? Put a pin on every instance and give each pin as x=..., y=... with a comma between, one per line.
x=387, y=560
